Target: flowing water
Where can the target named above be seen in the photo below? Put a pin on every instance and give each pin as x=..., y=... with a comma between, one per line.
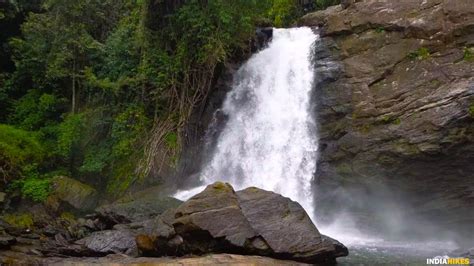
x=270, y=141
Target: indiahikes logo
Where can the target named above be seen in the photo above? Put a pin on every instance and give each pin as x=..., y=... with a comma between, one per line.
x=447, y=261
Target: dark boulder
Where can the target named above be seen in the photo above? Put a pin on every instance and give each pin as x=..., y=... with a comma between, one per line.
x=263, y=37
x=6, y=241
x=110, y=241
x=340, y=249
x=158, y=237
x=137, y=208
x=213, y=221
x=251, y=221
x=285, y=226
x=76, y=194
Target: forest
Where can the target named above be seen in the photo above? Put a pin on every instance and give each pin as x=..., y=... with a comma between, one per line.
x=249, y=132
x=94, y=89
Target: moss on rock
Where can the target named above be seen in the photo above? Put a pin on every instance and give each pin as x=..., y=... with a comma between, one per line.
x=221, y=186
x=344, y=169
x=20, y=220
x=77, y=194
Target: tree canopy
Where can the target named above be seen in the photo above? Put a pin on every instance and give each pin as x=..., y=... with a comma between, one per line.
x=94, y=88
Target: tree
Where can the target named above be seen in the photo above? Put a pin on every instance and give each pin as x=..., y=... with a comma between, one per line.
x=59, y=44
x=106, y=84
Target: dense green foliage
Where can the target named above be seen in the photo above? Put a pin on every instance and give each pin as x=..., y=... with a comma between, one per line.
x=323, y=4
x=18, y=148
x=34, y=185
x=95, y=89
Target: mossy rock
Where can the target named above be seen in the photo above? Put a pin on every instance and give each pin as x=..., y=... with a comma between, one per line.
x=20, y=220
x=77, y=194
x=344, y=169
x=140, y=206
x=405, y=148
x=468, y=54
x=387, y=119
x=222, y=187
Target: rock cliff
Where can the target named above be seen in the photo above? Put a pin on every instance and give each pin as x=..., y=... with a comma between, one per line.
x=395, y=106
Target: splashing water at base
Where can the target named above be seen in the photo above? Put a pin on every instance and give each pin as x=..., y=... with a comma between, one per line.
x=269, y=140
x=371, y=249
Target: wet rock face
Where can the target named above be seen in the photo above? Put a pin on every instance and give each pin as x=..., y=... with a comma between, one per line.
x=6, y=241
x=251, y=221
x=110, y=241
x=136, y=209
x=210, y=215
x=262, y=38
x=282, y=223
x=396, y=122
x=78, y=195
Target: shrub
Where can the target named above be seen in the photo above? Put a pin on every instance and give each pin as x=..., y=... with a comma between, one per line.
x=380, y=30
x=69, y=134
x=323, y=4
x=171, y=140
x=36, y=189
x=17, y=148
x=127, y=130
x=32, y=185
x=95, y=159
x=284, y=12
x=468, y=54
x=35, y=110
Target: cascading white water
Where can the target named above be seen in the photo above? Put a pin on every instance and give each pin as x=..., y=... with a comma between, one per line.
x=269, y=139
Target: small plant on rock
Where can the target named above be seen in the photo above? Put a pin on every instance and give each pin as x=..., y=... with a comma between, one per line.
x=468, y=54
x=380, y=30
x=471, y=110
x=21, y=220
x=420, y=54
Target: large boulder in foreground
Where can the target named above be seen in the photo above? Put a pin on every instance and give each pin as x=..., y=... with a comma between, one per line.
x=285, y=226
x=251, y=221
x=215, y=215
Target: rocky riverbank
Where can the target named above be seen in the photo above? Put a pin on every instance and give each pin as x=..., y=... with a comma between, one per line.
x=15, y=258
x=251, y=222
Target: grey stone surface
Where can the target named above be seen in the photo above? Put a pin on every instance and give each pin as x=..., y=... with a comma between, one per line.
x=396, y=124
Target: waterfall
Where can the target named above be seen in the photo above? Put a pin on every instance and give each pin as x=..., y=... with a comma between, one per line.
x=269, y=139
